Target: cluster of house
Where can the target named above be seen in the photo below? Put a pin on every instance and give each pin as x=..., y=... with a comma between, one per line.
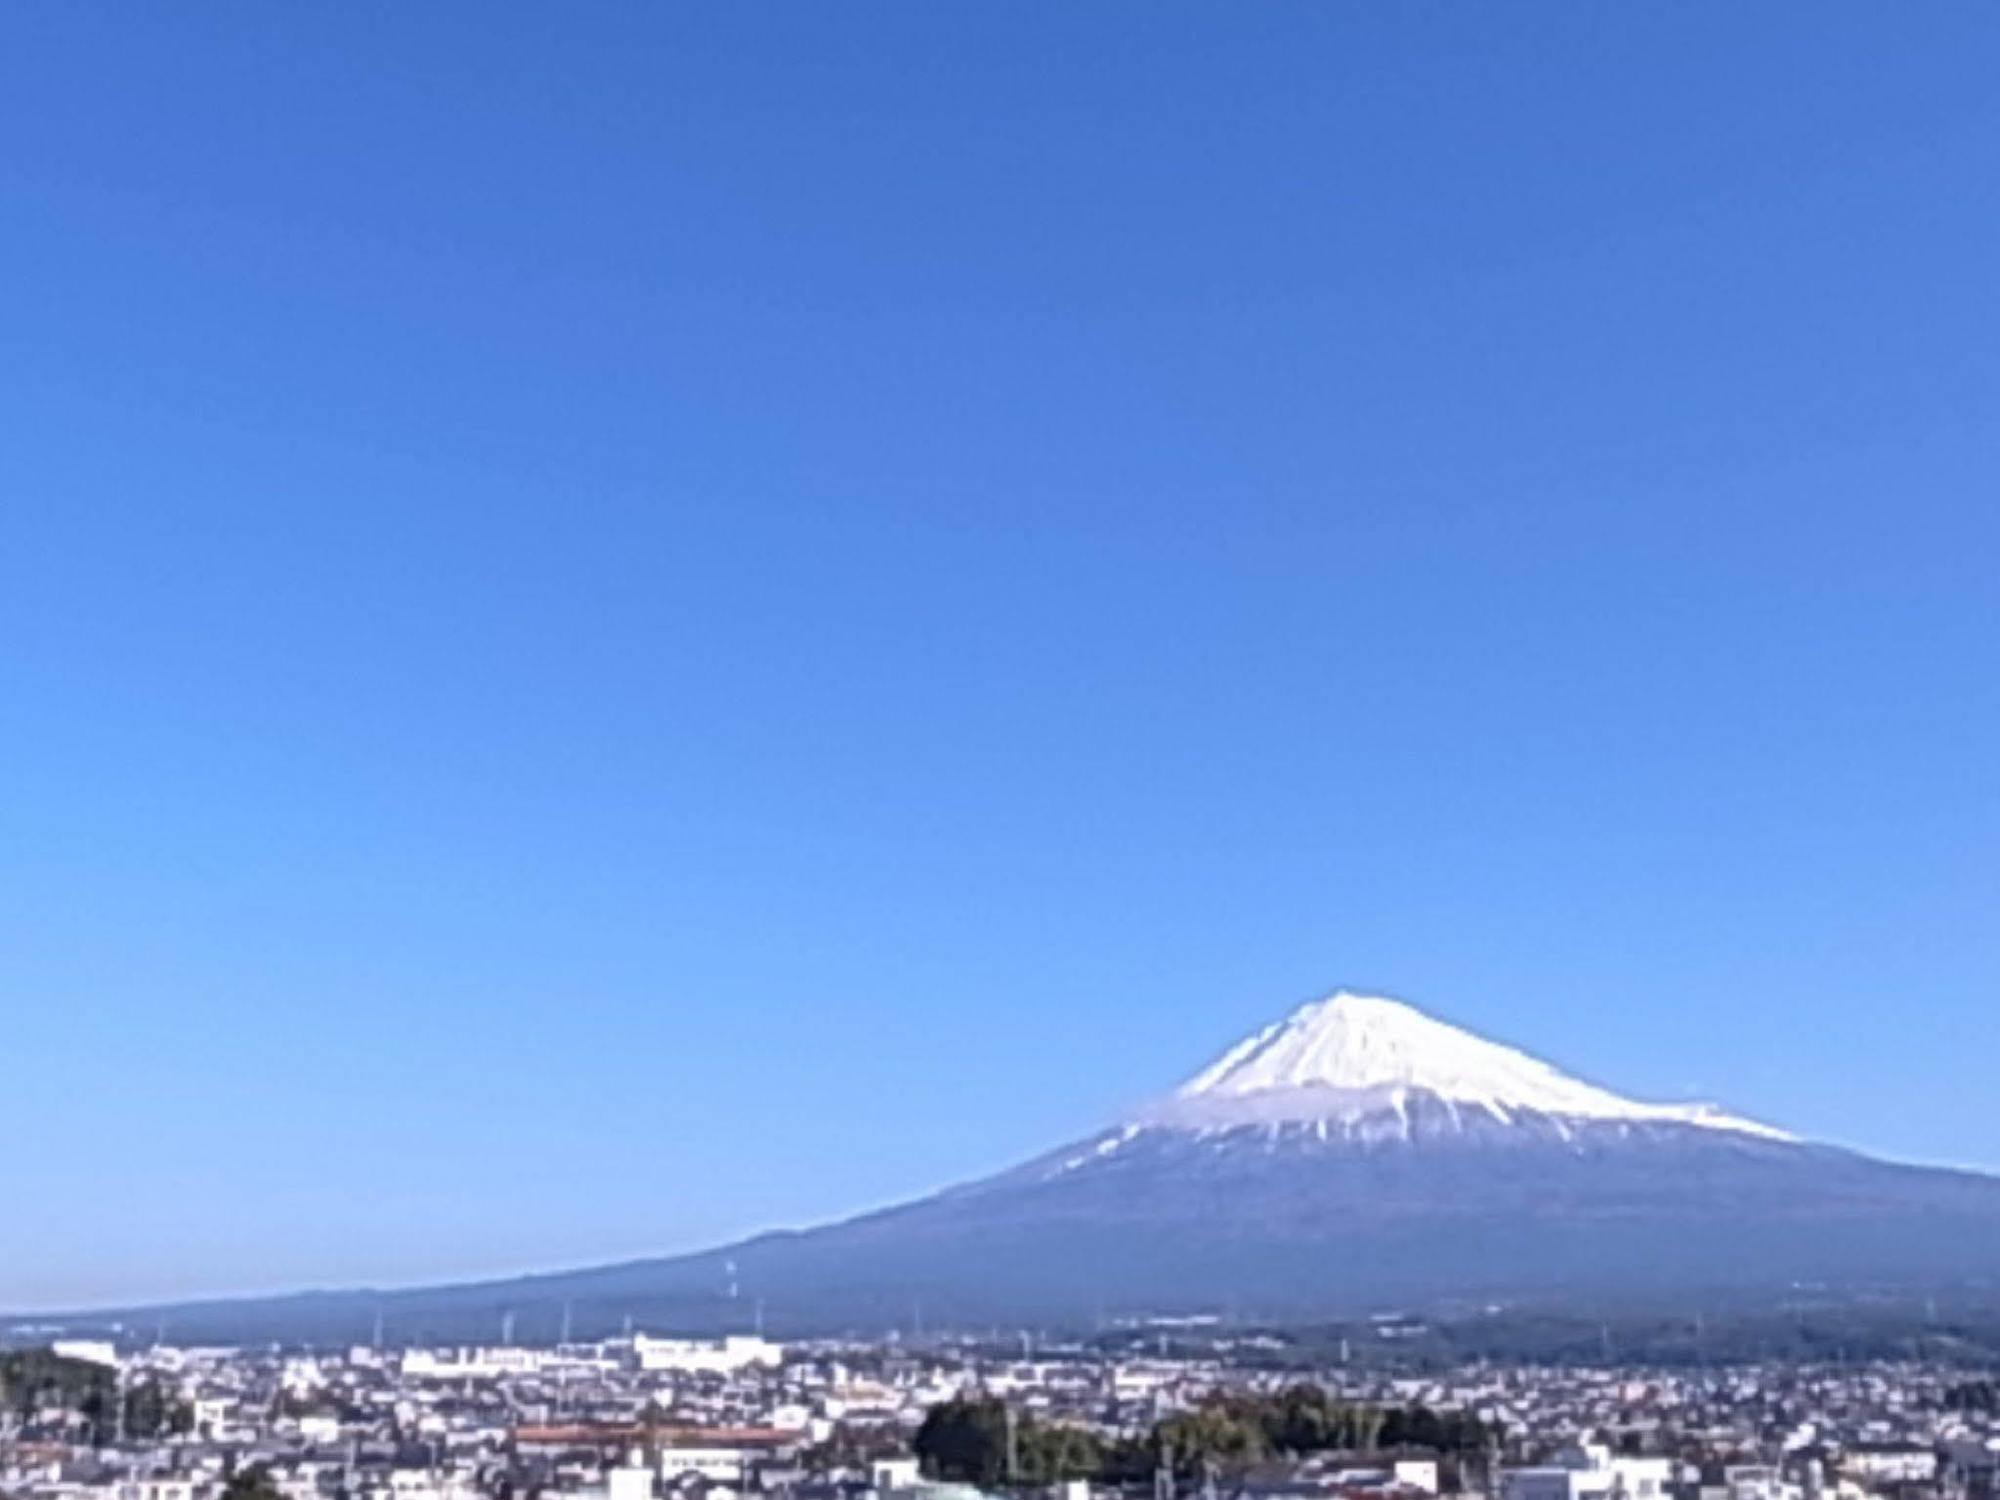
x=644, y=1418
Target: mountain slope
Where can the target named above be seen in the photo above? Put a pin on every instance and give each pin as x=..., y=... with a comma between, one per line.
x=1355, y=1155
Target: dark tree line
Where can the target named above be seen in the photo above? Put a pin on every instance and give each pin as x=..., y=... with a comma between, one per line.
x=977, y=1441
x=39, y=1381
x=1973, y=1395
x=252, y=1483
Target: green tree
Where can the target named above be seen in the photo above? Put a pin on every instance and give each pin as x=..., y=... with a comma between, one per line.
x=153, y=1411
x=40, y=1380
x=963, y=1439
x=1053, y=1451
x=968, y=1439
x=252, y=1483
x=1224, y=1432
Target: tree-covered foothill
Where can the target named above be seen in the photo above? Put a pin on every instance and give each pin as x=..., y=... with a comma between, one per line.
x=968, y=1439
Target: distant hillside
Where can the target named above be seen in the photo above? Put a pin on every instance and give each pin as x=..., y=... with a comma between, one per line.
x=1355, y=1156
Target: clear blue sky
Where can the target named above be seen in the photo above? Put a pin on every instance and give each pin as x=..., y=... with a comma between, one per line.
x=620, y=624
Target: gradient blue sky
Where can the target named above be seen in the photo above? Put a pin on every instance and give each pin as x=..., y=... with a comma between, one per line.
x=620, y=624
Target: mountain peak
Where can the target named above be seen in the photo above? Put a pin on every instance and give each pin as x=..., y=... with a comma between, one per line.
x=1350, y=1054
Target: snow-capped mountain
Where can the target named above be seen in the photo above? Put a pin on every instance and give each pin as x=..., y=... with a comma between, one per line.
x=1355, y=1154
x=1365, y=1072
x=1354, y=1060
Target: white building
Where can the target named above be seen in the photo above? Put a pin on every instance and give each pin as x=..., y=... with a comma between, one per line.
x=423, y=1484
x=172, y=1488
x=469, y=1364
x=887, y=1474
x=632, y=1481
x=1885, y=1463
x=90, y=1351
x=319, y=1430
x=724, y=1356
x=719, y=1464
x=1759, y=1482
x=1416, y=1474
x=1590, y=1472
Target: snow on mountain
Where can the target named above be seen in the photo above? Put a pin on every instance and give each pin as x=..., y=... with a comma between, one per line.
x=1350, y=1057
